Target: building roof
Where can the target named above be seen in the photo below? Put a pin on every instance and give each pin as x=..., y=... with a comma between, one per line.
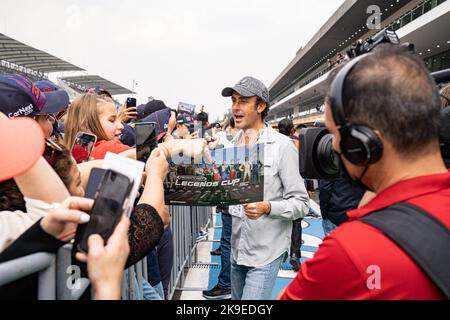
x=81, y=83
x=20, y=54
x=343, y=28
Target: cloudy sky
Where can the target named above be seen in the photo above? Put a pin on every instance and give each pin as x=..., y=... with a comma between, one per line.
x=175, y=50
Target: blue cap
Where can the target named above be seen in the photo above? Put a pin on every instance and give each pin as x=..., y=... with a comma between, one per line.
x=140, y=109
x=20, y=97
x=46, y=86
x=128, y=135
x=184, y=118
x=57, y=106
x=161, y=118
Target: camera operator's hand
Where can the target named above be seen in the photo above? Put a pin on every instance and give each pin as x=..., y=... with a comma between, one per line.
x=126, y=114
x=255, y=210
x=62, y=222
x=106, y=263
x=157, y=164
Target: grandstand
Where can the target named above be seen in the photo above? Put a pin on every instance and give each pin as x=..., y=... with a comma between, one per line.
x=83, y=82
x=298, y=92
x=17, y=57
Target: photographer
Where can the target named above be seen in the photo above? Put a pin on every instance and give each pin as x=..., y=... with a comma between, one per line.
x=185, y=127
x=387, y=103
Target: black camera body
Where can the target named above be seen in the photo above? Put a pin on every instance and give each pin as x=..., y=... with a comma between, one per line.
x=317, y=159
x=384, y=36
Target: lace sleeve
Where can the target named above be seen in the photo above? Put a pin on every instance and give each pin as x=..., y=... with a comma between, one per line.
x=146, y=229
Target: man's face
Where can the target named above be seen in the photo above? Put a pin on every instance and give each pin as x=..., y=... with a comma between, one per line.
x=354, y=171
x=183, y=131
x=245, y=111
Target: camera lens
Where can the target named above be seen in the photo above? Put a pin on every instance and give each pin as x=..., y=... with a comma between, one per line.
x=327, y=159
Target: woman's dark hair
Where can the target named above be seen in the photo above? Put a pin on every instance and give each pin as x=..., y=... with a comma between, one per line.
x=11, y=199
x=60, y=160
x=266, y=110
x=285, y=127
x=232, y=123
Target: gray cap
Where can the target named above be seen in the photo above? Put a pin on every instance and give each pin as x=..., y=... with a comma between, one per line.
x=248, y=87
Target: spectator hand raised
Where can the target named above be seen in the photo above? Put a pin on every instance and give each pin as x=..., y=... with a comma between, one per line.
x=157, y=164
x=126, y=114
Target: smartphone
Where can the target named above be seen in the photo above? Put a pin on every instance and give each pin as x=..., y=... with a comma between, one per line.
x=83, y=145
x=95, y=179
x=146, y=139
x=131, y=102
x=106, y=212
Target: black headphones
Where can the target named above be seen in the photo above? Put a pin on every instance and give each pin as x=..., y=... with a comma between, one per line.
x=359, y=144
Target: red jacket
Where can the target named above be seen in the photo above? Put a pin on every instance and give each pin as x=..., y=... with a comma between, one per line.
x=103, y=146
x=355, y=254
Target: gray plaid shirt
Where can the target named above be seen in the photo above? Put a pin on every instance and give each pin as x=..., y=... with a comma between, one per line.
x=256, y=243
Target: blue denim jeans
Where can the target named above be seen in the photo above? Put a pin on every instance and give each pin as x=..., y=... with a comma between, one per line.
x=152, y=293
x=254, y=283
x=328, y=226
x=164, y=250
x=225, y=245
x=149, y=292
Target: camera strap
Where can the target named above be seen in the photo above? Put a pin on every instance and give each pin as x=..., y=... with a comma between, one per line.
x=424, y=238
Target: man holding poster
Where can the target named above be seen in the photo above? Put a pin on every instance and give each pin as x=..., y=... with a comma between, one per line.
x=261, y=231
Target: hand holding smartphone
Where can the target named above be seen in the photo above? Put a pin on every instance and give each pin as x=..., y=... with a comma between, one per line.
x=83, y=145
x=131, y=102
x=110, y=200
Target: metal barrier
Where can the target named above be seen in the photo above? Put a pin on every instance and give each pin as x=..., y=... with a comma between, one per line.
x=59, y=279
x=186, y=224
x=54, y=274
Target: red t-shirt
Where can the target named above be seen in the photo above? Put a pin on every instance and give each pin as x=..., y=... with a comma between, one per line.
x=79, y=153
x=345, y=265
x=103, y=146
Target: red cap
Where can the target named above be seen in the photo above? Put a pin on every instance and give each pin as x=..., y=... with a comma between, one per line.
x=22, y=143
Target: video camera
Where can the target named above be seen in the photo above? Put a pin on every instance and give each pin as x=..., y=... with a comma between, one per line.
x=317, y=157
x=384, y=36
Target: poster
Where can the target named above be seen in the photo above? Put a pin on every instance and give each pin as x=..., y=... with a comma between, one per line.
x=184, y=107
x=235, y=176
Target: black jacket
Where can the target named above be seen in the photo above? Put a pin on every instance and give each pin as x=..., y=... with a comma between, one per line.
x=336, y=198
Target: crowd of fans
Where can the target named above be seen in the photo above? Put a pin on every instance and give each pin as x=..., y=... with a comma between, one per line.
x=43, y=183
